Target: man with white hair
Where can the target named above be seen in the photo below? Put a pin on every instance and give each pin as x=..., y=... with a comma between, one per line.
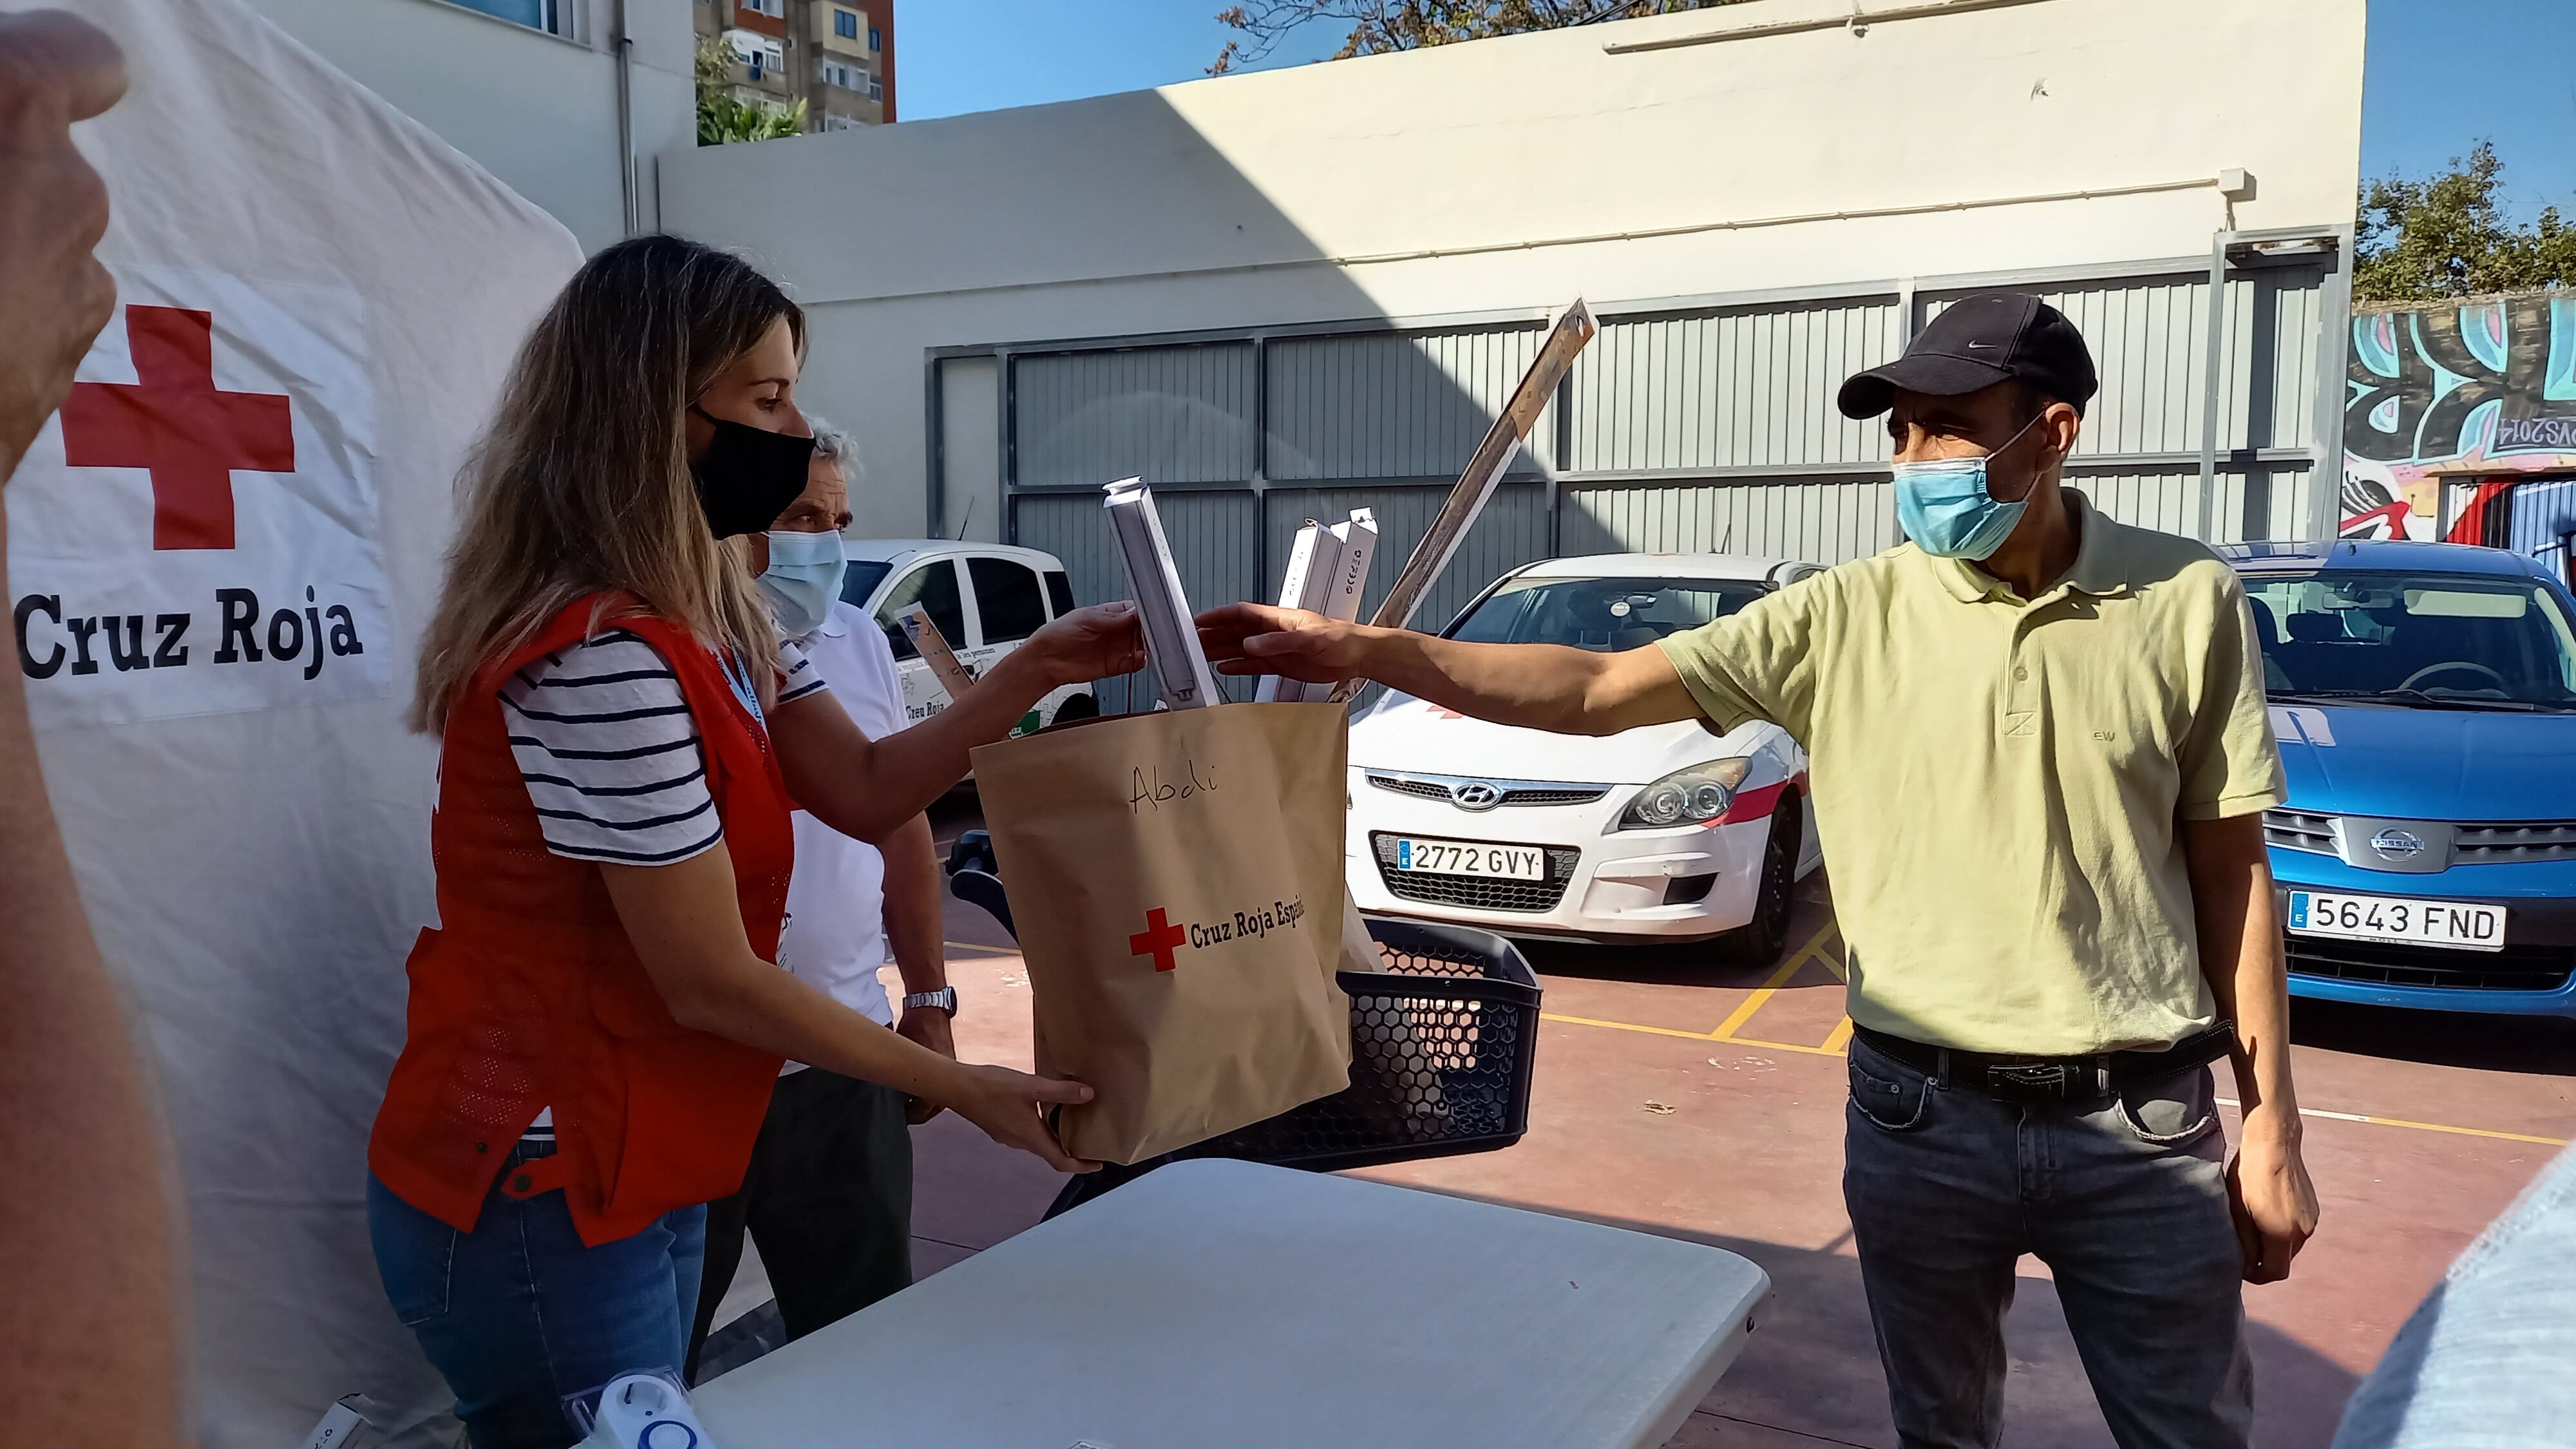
x=828, y=1195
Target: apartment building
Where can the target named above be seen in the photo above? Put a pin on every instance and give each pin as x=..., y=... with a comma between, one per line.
x=851, y=75
x=837, y=56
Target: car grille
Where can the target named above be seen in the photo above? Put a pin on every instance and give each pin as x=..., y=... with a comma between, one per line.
x=2505, y=843
x=2515, y=968
x=1478, y=892
x=2498, y=844
x=1512, y=792
x=2299, y=830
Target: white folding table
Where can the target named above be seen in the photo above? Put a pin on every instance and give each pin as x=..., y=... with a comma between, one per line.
x=1227, y=1305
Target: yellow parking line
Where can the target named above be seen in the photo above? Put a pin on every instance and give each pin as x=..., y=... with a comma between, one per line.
x=1782, y=1046
x=977, y=946
x=1762, y=994
x=1841, y=1037
x=2371, y=1121
x=1626, y=1026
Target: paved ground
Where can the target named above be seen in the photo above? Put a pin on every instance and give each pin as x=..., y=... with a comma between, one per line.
x=1680, y=1098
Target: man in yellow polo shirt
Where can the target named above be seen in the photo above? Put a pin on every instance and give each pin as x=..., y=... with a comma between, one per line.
x=2040, y=760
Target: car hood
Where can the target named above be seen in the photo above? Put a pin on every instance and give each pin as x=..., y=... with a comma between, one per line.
x=2429, y=764
x=1408, y=734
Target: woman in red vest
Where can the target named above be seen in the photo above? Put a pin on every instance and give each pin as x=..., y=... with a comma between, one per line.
x=596, y=1022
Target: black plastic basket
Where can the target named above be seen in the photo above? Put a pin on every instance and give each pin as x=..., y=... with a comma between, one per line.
x=1444, y=1037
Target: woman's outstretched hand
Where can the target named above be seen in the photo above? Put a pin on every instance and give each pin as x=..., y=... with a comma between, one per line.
x=1100, y=642
x=1292, y=643
x=1011, y=1108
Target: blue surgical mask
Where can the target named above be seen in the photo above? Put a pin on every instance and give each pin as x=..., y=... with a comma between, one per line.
x=803, y=578
x=1946, y=510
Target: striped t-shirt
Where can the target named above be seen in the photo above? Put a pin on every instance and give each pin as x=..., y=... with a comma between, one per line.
x=604, y=739
x=603, y=736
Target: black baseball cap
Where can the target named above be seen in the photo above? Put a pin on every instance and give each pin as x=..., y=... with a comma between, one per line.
x=1978, y=342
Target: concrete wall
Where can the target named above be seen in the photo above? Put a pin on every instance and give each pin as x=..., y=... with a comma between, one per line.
x=536, y=110
x=1511, y=175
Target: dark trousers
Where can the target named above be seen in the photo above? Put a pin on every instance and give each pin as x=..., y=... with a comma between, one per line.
x=2124, y=1198
x=828, y=1200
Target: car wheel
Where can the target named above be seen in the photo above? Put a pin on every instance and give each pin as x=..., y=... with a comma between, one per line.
x=1760, y=941
x=1081, y=706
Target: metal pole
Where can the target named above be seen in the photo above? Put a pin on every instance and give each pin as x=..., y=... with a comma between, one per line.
x=626, y=177
x=1009, y=424
x=1562, y=452
x=934, y=450
x=2212, y=393
x=1259, y=482
x=2334, y=363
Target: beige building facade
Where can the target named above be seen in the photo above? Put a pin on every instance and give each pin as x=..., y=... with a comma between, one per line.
x=836, y=56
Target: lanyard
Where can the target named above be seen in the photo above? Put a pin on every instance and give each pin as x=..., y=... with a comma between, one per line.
x=740, y=679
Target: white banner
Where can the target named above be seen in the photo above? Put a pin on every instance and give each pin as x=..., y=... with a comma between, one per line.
x=222, y=556
x=196, y=531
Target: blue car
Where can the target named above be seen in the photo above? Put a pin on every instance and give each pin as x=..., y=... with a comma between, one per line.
x=2425, y=697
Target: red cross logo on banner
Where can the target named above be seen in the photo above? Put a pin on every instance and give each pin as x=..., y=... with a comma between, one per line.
x=1159, y=939
x=176, y=424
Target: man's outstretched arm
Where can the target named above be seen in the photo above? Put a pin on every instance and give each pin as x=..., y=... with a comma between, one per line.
x=89, y=1325
x=1542, y=686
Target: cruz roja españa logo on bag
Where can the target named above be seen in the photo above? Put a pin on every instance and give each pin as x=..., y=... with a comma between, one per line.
x=1163, y=937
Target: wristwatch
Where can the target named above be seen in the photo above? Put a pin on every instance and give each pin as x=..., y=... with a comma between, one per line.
x=945, y=998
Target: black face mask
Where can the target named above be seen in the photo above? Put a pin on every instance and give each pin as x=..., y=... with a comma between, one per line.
x=749, y=475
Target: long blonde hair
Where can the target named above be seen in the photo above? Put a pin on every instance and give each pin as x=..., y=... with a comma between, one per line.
x=582, y=482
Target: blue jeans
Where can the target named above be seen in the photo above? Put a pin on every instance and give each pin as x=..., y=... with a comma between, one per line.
x=2485, y=1359
x=2123, y=1197
x=517, y=1314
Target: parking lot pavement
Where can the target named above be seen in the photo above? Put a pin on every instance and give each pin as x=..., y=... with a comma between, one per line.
x=1680, y=1097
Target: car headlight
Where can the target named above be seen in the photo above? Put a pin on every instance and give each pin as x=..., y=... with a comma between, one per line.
x=1685, y=797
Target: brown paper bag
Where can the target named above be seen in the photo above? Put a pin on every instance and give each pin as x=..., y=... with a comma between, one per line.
x=1176, y=879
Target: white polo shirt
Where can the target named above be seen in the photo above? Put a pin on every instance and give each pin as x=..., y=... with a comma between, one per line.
x=835, y=939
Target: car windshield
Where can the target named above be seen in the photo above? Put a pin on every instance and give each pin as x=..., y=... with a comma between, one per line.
x=2440, y=641
x=861, y=579
x=1602, y=615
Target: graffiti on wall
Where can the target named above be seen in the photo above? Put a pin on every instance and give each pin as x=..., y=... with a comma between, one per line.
x=2452, y=392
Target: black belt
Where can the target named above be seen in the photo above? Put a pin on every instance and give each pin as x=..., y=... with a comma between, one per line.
x=2052, y=1079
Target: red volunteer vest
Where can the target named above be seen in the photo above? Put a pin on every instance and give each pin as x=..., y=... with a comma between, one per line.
x=529, y=995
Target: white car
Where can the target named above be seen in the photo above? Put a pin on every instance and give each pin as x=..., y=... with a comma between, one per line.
x=1668, y=832
x=985, y=597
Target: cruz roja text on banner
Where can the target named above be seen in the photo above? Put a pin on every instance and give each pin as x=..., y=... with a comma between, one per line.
x=195, y=532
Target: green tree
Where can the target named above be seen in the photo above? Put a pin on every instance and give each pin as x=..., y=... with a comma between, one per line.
x=2445, y=236
x=1377, y=26
x=725, y=117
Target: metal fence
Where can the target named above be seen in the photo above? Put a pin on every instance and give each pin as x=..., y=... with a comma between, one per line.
x=1689, y=425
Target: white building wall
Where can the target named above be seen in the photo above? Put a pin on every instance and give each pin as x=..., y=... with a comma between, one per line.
x=1511, y=175
x=537, y=111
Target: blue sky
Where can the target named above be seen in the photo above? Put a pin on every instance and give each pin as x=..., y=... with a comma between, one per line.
x=2442, y=73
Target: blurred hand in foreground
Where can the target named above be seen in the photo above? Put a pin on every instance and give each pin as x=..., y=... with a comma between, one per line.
x=54, y=295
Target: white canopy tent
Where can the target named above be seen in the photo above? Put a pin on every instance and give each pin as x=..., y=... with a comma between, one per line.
x=222, y=555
